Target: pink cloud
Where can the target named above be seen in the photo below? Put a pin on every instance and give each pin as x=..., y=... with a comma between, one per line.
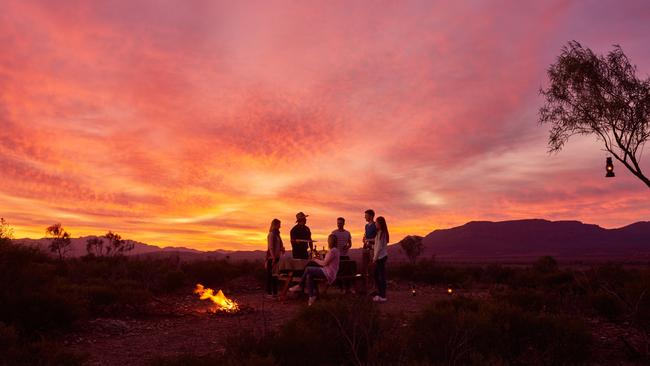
x=162, y=117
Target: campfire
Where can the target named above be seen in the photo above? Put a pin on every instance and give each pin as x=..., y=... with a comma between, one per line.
x=220, y=301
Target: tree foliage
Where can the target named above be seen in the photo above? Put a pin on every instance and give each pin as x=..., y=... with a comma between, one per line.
x=6, y=232
x=412, y=247
x=59, y=240
x=592, y=94
x=113, y=246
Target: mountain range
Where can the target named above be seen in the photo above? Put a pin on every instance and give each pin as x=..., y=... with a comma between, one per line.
x=473, y=241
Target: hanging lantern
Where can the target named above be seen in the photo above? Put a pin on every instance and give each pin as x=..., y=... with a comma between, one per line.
x=609, y=166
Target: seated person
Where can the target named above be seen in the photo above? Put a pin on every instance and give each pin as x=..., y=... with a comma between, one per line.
x=328, y=271
x=300, y=237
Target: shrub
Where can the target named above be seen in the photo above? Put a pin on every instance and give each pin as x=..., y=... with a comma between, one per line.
x=213, y=360
x=329, y=332
x=546, y=264
x=14, y=350
x=606, y=305
x=471, y=332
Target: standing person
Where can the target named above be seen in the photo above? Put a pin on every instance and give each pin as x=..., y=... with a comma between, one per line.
x=328, y=270
x=343, y=238
x=301, y=237
x=344, y=242
x=368, y=243
x=379, y=258
x=273, y=254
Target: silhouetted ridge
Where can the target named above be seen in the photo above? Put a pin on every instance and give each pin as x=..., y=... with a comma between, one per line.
x=536, y=237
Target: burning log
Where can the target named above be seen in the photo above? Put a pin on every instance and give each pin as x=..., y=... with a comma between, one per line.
x=221, y=302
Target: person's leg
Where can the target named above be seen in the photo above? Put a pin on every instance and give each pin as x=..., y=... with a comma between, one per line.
x=274, y=281
x=365, y=260
x=381, y=274
x=313, y=273
x=377, y=276
x=345, y=271
x=269, y=277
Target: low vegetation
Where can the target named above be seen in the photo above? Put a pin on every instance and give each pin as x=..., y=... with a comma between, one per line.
x=533, y=315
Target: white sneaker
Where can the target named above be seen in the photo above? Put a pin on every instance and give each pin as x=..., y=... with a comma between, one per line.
x=311, y=300
x=379, y=299
x=375, y=298
x=295, y=288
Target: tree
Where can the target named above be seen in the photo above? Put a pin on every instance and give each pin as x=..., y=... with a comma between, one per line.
x=592, y=94
x=95, y=246
x=59, y=240
x=6, y=232
x=115, y=246
x=412, y=247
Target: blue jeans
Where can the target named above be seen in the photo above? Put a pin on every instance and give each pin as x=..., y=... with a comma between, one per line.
x=308, y=276
x=380, y=276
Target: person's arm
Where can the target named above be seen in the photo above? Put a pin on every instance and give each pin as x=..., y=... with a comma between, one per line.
x=311, y=244
x=379, y=242
x=270, y=239
x=349, y=245
x=282, y=251
x=329, y=257
x=292, y=236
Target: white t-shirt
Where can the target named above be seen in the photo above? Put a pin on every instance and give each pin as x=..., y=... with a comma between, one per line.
x=342, y=240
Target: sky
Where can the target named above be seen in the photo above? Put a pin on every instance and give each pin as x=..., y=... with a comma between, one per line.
x=195, y=123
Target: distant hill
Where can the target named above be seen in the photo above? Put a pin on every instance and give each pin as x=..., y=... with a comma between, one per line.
x=476, y=241
x=78, y=247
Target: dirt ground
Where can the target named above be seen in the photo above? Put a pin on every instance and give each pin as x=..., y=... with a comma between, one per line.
x=184, y=324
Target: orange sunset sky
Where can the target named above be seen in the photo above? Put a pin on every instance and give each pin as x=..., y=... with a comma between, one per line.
x=194, y=123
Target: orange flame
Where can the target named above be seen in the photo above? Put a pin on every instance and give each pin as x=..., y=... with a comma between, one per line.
x=220, y=300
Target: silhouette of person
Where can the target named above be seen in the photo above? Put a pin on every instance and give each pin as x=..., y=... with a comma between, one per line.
x=380, y=255
x=273, y=254
x=300, y=237
x=344, y=240
x=368, y=243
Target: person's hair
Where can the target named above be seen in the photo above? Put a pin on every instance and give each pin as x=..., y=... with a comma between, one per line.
x=371, y=213
x=382, y=226
x=332, y=241
x=340, y=218
x=274, y=224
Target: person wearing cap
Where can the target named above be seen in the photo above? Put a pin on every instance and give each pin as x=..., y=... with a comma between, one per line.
x=300, y=237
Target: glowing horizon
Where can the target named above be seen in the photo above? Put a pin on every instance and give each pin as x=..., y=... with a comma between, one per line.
x=196, y=123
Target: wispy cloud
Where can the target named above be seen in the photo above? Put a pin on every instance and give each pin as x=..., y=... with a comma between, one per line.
x=196, y=122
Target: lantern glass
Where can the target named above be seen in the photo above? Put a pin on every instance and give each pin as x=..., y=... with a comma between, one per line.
x=609, y=167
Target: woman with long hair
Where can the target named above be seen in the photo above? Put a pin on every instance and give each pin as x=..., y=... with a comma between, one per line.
x=379, y=258
x=327, y=269
x=273, y=254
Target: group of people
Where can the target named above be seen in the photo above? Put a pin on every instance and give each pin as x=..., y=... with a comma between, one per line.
x=374, y=252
